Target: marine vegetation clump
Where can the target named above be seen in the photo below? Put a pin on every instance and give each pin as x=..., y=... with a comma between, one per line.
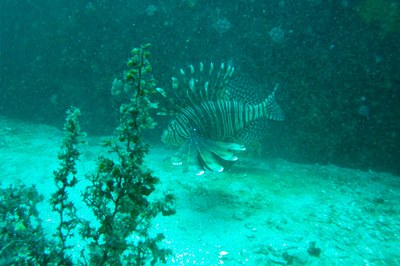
x=120, y=189
x=120, y=194
x=65, y=179
x=22, y=239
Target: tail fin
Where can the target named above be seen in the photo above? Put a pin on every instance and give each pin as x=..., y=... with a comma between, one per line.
x=272, y=109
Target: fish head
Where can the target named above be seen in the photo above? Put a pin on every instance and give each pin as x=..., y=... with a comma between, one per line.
x=173, y=136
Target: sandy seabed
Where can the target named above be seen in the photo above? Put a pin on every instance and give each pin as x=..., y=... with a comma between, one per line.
x=259, y=212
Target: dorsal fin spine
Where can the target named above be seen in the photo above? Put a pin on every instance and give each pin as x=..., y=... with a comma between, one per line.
x=175, y=83
x=196, y=85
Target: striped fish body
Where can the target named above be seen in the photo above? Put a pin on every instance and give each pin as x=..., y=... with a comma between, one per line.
x=212, y=117
x=218, y=120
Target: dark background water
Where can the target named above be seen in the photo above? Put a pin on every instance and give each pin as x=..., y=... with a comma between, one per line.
x=337, y=63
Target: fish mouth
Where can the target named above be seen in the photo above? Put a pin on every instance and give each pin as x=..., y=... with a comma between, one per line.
x=164, y=136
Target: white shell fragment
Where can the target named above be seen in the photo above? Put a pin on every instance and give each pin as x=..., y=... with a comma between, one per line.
x=223, y=253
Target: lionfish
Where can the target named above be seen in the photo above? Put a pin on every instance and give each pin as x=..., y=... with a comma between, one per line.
x=213, y=118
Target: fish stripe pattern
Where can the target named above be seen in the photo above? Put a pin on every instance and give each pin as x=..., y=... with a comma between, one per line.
x=209, y=118
x=223, y=119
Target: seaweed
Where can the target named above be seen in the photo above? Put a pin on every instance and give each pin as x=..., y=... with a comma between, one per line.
x=22, y=239
x=65, y=179
x=120, y=188
x=120, y=193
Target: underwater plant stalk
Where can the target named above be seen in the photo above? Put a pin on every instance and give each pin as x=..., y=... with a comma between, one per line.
x=65, y=178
